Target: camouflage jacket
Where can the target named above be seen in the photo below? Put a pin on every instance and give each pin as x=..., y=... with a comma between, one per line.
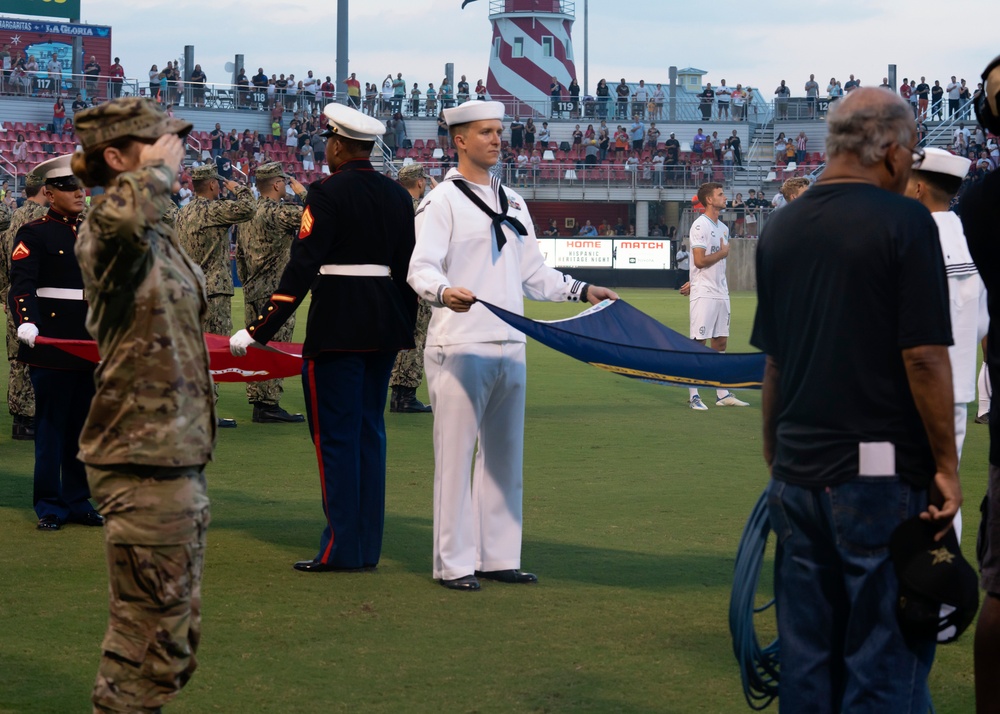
x=263, y=246
x=154, y=403
x=28, y=212
x=203, y=231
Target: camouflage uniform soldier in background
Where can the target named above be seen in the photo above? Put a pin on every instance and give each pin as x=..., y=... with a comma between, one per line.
x=151, y=426
x=262, y=251
x=409, y=367
x=203, y=232
x=20, y=395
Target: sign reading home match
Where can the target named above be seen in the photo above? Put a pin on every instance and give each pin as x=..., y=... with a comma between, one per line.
x=584, y=252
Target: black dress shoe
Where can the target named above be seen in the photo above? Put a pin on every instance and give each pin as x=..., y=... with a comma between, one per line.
x=93, y=519
x=508, y=576
x=983, y=418
x=404, y=401
x=466, y=582
x=48, y=523
x=314, y=566
x=273, y=414
x=225, y=423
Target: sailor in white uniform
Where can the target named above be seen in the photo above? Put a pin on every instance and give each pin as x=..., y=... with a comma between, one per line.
x=475, y=239
x=934, y=181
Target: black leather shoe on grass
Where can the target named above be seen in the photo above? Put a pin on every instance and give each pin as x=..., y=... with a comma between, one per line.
x=225, y=423
x=314, y=566
x=48, y=523
x=513, y=577
x=273, y=414
x=92, y=519
x=468, y=583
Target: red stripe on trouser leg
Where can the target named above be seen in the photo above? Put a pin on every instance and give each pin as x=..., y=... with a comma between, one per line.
x=314, y=408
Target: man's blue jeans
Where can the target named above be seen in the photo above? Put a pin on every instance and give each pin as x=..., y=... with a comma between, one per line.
x=841, y=649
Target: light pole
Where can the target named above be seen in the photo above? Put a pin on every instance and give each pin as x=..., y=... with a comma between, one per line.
x=342, y=12
x=586, y=47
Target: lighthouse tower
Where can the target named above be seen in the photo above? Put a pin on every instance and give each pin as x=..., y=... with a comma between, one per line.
x=532, y=43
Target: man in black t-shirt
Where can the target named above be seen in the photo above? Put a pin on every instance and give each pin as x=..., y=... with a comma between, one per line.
x=217, y=136
x=707, y=97
x=857, y=410
x=923, y=91
x=516, y=134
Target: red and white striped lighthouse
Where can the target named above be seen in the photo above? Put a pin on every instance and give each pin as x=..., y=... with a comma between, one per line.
x=532, y=42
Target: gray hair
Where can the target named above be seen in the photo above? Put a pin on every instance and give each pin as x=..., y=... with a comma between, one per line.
x=867, y=129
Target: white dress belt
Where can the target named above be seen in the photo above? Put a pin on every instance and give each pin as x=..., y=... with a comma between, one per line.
x=60, y=293
x=361, y=271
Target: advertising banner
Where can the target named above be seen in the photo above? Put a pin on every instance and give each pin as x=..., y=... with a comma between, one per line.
x=69, y=9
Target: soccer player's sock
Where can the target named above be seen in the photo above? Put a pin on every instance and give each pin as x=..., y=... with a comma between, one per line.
x=692, y=393
x=985, y=390
x=721, y=393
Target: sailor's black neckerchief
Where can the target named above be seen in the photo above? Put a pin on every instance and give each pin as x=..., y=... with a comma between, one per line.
x=498, y=218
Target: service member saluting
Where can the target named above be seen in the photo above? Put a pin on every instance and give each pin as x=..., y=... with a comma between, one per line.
x=475, y=239
x=46, y=298
x=353, y=250
x=262, y=250
x=203, y=231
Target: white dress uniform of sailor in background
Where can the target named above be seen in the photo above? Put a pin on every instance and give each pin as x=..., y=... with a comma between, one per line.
x=966, y=293
x=475, y=363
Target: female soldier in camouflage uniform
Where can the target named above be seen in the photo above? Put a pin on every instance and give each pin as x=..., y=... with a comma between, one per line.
x=151, y=426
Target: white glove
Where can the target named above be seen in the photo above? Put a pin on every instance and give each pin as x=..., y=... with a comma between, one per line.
x=27, y=332
x=238, y=343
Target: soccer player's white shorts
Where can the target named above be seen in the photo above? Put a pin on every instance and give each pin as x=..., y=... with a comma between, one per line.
x=709, y=318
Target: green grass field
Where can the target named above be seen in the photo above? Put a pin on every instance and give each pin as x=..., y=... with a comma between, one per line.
x=634, y=506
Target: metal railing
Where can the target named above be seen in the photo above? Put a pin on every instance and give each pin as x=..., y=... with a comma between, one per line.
x=11, y=171
x=66, y=85
x=946, y=127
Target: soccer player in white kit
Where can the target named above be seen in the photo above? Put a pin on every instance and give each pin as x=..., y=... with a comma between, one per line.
x=709, y=310
x=934, y=181
x=475, y=239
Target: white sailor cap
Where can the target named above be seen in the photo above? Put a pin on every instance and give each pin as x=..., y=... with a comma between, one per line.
x=349, y=123
x=57, y=172
x=939, y=161
x=474, y=111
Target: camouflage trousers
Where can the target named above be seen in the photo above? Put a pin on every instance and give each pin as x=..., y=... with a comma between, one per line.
x=154, y=534
x=20, y=393
x=219, y=320
x=268, y=392
x=409, y=367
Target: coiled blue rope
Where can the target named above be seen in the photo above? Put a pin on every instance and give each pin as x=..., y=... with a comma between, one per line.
x=758, y=667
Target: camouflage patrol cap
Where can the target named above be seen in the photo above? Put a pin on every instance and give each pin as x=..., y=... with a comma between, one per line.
x=33, y=180
x=129, y=116
x=204, y=173
x=272, y=169
x=412, y=172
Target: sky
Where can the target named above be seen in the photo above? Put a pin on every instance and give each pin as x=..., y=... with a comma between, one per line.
x=778, y=39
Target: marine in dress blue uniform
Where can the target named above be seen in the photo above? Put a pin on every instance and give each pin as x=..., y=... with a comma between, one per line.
x=46, y=298
x=352, y=250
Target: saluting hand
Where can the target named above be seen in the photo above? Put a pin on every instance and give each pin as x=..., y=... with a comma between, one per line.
x=297, y=188
x=170, y=150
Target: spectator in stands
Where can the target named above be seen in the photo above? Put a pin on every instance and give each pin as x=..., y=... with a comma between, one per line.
x=162, y=92
x=20, y=149
x=354, y=90
x=91, y=75
x=430, y=105
x=591, y=152
x=652, y=136
x=544, y=136
x=198, y=82
x=242, y=97
x=588, y=230
x=462, y=90
x=639, y=98
x=447, y=95
x=921, y=133
x=310, y=86
x=415, y=100
x=734, y=141
x=555, y=95
x=399, y=93
x=399, y=127
x=706, y=101
x=937, y=100
x=698, y=143
x=851, y=84
x=632, y=164
x=716, y=146
x=577, y=142
x=278, y=112
x=789, y=151
x=738, y=211
x=522, y=167
x=722, y=96
x=953, y=89
x=621, y=143
x=292, y=135
x=885, y=84
x=173, y=82
x=923, y=96
x=54, y=71
x=812, y=94
x=603, y=141
x=623, y=93
x=31, y=73
x=914, y=98
x=800, y=148
x=782, y=93
x=218, y=136
x=328, y=91
x=657, y=166
x=728, y=160
x=529, y=133
x=574, y=97
x=536, y=166
x=637, y=133
x=292, y=93
x=78, y=104
x=779, y=147
x=480, y=91
x=116, y=77
x=58, y=116
x=603, y=97
x=964, y=95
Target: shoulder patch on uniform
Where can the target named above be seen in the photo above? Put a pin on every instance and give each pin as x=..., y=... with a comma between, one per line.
x=21, y=251
x=305, y=228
